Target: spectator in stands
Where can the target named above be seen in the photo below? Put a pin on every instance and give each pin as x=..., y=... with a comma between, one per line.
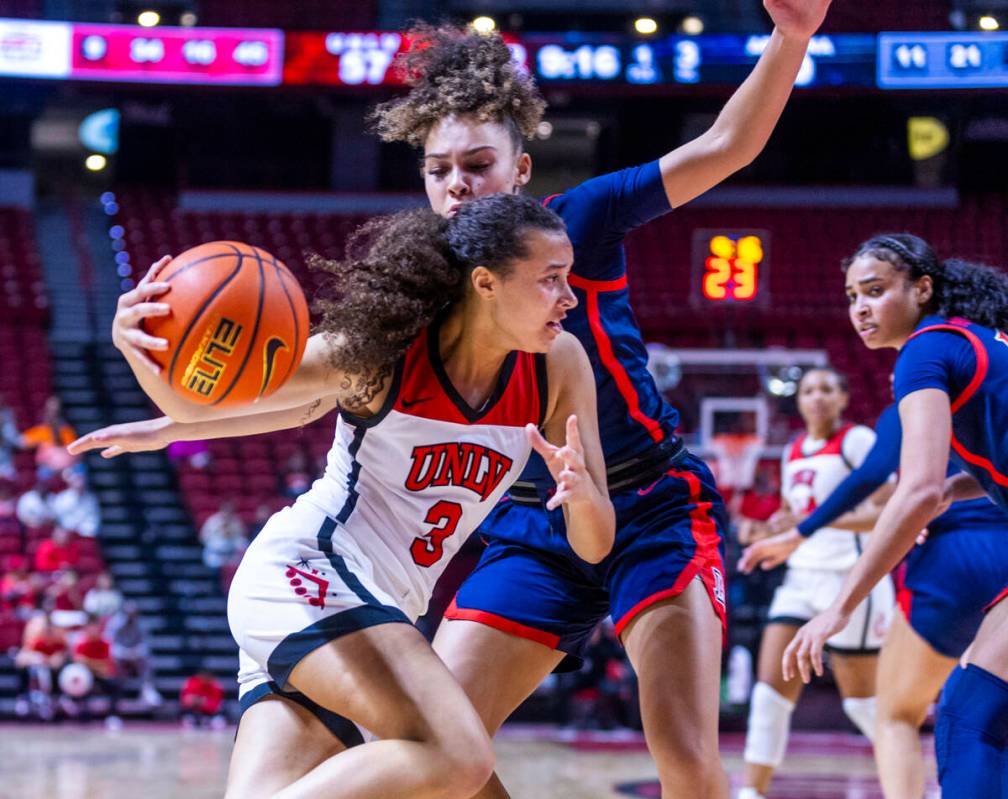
x=94, y=651
x=224, y=537
x=57, y=552
x=8, y=500
x=104, y=599
x=196, y=453
x=131, y=651
x=75, y=507
x=297, y=475
x=200, y=700
x=34, y=507
x=262, y=515
x=757, y=506
x=49, y=438
x=19, y=589
x=42, y=654
x=10, y=439
x=65, y=600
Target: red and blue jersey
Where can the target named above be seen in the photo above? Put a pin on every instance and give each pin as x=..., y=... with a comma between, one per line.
x=969, y=362
x=880, y=462
x=599, y=213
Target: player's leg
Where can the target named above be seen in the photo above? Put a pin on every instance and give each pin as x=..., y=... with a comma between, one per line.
x=675, y=648
x=497, y=670
x=910, y=675
x=971, y=737
x=278, y=742
x=770, y=707
x=388, y=679
x=510, y=624
x=855, y=675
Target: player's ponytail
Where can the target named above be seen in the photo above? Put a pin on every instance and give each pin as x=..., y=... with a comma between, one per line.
x=400, y=271
x=962, y=288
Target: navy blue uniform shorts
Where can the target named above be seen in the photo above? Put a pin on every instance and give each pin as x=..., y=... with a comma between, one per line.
x=667, y=534
x=949, y=582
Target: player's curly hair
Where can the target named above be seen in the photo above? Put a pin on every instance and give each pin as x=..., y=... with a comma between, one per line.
x=456, y=71
x=400, y=271
x=970, y=290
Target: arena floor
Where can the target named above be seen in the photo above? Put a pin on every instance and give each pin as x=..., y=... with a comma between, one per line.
x=166, y=762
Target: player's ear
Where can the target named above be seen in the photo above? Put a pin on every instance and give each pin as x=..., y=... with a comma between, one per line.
x=523, y=171
x=925, y=290
x=483, y=282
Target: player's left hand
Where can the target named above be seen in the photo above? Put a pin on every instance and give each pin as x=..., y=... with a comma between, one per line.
x=566, y=464
x=805, y=651
x=797, y=19
x=769, y=553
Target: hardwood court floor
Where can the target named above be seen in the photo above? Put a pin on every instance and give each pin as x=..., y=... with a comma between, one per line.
x=165, y=762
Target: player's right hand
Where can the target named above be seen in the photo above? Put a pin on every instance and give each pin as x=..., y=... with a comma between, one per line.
x=770, y=552
x=133, y=307
x=145, y=436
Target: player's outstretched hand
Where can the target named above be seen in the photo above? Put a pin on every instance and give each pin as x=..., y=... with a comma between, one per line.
x=566, y=464
x=770, y=552
x=804, y=653
x=134, y=306
x=145, y=436
x=797, y=18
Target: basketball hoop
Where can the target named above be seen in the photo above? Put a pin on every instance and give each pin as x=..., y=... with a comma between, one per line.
x=736, y=457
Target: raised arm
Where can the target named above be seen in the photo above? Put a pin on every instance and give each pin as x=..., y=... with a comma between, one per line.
x=573, y=453
x=744, y=125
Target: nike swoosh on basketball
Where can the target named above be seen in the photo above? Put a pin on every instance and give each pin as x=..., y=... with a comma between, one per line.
x=410, y=403
x=273, y=346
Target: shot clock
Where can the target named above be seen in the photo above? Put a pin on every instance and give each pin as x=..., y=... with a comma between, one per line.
x=730, y=266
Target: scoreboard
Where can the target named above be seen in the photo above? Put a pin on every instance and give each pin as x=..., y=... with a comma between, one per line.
x=943, y=60
x=611, y=62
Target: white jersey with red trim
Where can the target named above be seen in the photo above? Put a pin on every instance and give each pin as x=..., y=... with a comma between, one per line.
x=409, y=485
x=811, y=470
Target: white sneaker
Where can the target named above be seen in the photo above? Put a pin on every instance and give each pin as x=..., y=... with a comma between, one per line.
x=749, y=793
x=150, y=695
x=218, y=723
x=113, y=723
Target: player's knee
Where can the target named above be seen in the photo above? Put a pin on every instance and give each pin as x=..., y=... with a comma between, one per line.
x=861, y=710
x=686, y=758
x=769, y=726
x=899, y=710
x=466, y=766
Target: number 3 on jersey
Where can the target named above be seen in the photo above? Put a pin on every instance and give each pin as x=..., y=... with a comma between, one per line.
x=429, y=549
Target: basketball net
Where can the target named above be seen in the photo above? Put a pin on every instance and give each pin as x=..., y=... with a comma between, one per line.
x=736, y=457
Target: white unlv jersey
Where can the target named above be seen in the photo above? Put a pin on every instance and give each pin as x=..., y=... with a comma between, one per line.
x=410, y=484
x=811, y=470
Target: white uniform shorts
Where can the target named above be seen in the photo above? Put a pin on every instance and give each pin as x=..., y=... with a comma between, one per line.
x=807, y=592
x=301, y=585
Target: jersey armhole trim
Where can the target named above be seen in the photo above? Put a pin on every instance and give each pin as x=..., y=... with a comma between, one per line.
x=390, y=400
x=542, y=385
x=981, y=361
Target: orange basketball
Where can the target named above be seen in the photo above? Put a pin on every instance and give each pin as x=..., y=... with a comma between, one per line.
x=238, y=324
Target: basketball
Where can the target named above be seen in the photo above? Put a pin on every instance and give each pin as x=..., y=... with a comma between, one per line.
x=238, y=324
x=76, y=680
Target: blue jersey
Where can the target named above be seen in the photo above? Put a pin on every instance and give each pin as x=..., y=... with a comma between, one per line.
x=880, y=462
x=599, y=213
x=968, y=362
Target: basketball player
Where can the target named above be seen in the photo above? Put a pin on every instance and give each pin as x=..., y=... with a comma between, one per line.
x=438, y=413
x=948, y=319
x=948, y=581
x=532, y=601
x=812, y=467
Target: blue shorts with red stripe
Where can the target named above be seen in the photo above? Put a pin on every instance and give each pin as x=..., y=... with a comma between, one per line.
x=667, y=534
x=949, y=582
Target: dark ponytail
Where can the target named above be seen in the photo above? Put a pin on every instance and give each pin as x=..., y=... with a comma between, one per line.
x=400, y=271
x=961, y=288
